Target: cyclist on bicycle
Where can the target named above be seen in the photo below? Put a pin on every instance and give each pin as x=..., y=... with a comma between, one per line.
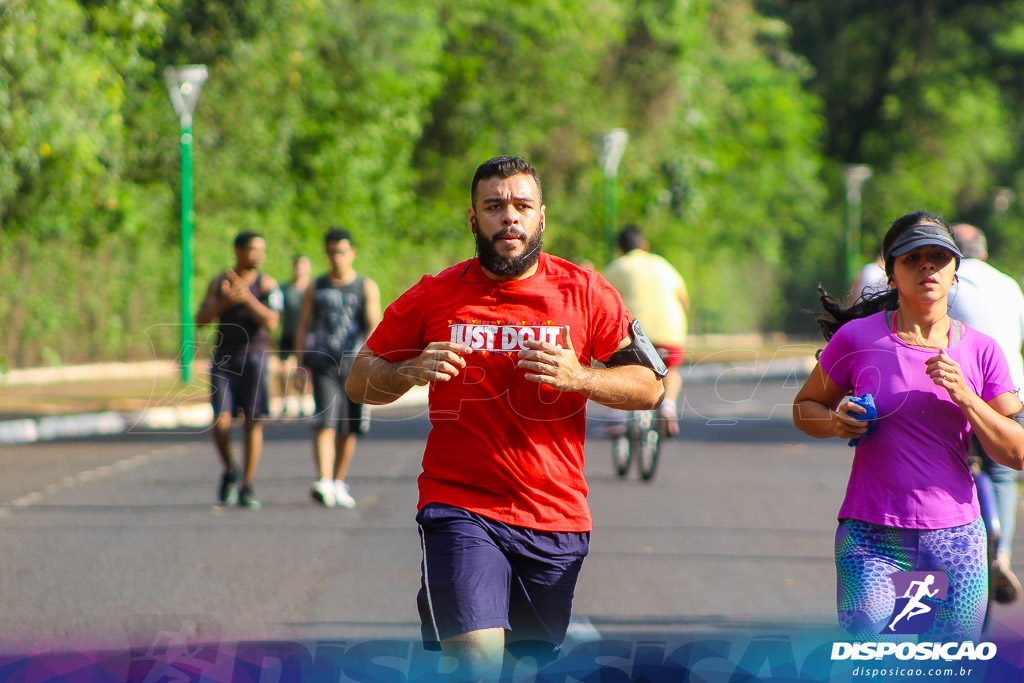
x=656, y=294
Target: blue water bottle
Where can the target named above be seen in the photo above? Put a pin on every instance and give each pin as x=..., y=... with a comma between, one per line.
x=866, y=401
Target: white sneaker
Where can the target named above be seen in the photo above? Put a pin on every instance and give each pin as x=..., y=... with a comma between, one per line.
x=668, y=409
x=341, y=495
x=669, y=414
x=307, y=406
x=323, y=492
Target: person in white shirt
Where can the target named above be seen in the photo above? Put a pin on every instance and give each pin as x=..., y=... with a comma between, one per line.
x=870, y=280
x=992, y=302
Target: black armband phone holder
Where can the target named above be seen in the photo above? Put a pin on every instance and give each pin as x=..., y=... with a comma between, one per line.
x=639, y=352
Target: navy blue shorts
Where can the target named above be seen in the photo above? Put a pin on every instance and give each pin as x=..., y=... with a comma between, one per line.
x=478, y=573
x=238, y=385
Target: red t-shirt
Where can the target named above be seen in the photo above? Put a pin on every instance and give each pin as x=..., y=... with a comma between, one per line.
x=500, y=445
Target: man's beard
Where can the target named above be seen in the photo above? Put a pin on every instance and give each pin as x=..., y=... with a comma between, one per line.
x=508, y=266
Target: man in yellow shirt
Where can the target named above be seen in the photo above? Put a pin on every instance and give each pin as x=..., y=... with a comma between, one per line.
x=656, y=294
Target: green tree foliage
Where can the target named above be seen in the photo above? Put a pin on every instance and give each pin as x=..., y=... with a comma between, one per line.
x=928, y=93
x=733, y=194
x=374, y=116
x=69, y=261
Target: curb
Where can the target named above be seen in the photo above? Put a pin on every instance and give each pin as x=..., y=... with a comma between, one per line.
x=200, y=415
x=746, y=371
x=90, y=371
x=163, y=418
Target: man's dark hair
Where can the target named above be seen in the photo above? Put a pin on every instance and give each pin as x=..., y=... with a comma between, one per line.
x=243, y=238
x=337, y=235
x=631, y=238
x=504, y=167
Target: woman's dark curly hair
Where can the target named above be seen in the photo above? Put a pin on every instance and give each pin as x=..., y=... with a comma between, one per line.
x=835, y=315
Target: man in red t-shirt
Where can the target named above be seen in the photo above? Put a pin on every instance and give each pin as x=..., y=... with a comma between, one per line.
x=505, y=341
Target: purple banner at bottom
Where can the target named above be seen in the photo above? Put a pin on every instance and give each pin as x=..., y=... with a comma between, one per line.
x=780, y=658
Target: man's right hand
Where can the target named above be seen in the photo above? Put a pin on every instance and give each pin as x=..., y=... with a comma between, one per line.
x=439, y=362
x=234, y=288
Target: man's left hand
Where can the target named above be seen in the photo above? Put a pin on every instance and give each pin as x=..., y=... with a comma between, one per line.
x=551, y=365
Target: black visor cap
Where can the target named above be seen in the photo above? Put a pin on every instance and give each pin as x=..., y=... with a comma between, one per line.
x=923, y=235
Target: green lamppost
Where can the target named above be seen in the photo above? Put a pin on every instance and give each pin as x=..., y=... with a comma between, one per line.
x=854, y=175
x=613, y=144
x=184, y=82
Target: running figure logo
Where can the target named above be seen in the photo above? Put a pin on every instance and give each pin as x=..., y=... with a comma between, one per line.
x=917, y=595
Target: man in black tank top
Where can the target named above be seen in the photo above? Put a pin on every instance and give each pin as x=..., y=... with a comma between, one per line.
x=339, y=310
x=247, y=305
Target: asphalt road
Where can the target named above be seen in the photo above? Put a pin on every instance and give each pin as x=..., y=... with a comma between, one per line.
x=105, y=541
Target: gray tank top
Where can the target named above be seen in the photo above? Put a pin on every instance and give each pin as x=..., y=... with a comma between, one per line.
x=292, y=308
x=339, y=322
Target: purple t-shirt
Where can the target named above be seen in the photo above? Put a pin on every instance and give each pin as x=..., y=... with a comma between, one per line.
x=912, y=472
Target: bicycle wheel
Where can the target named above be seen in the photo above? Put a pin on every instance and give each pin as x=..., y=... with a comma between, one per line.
x=622, y=455
x=648, y=447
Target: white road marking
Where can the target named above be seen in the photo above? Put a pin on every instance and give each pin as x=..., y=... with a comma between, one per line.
x=85, y=476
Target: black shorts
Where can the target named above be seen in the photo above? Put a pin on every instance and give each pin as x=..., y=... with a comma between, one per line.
x=238, y=385
x=286, y=346
x=334, y=409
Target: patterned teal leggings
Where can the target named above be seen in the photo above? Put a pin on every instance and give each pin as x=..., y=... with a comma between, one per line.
x=866, y=554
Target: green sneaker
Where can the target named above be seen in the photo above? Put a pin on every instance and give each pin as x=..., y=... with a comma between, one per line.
x=226, y=492
x=246, y=497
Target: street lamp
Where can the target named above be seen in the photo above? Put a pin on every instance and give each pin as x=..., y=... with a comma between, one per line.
x=184, y=83
x=855, y=176
x=613, y=144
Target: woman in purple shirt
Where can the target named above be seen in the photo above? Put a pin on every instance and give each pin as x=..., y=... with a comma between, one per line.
x=910, y=503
